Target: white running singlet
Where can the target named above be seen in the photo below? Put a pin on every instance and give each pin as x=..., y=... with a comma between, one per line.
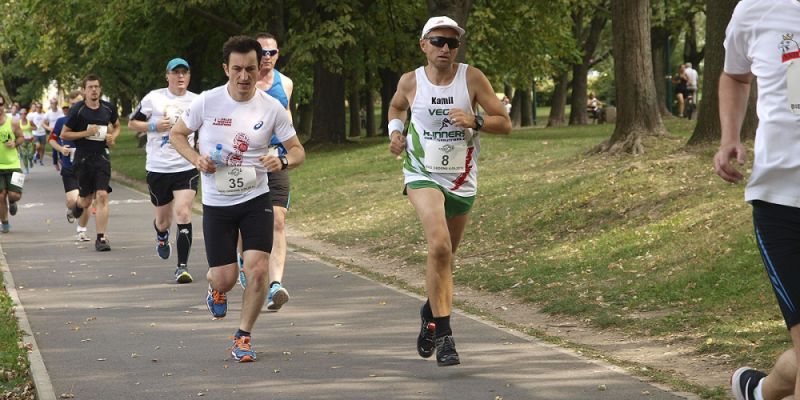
x=435, y=149
x=763, y=38
x=243, y=129
x=161, y=156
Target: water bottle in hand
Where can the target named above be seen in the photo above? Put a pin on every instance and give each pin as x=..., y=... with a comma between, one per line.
x=216, y=156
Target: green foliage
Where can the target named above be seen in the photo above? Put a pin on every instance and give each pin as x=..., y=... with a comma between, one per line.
x=518, y=41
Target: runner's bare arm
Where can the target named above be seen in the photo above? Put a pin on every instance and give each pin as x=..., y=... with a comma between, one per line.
x=398, y=109
x=288, y=87
x=734, y=91
x=179, y=139
x=18, y=136
x=111, y=138
x=295, y=155
x=496, y=119
x=68, y=134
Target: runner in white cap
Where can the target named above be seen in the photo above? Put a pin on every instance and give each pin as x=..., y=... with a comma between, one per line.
x=440, y=165
x=172, y=179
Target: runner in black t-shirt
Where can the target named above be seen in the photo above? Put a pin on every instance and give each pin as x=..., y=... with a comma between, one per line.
x=93, y=125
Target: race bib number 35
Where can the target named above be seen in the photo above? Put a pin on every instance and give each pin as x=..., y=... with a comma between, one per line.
x=232, y=181
x=445, y=157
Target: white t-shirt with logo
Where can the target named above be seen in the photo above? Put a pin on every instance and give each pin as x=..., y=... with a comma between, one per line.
x=763, y=38
x=37, y=118
x=161, y=156
x=244, y=130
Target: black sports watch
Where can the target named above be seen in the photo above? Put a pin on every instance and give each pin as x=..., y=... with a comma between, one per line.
x=284, y=162
x=478, y=123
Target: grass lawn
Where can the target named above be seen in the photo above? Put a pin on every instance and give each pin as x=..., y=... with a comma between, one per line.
x=652, y=245
x=13, y=356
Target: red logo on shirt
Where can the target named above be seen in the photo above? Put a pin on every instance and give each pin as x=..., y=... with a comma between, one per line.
x=790, y=50
x=223, y=122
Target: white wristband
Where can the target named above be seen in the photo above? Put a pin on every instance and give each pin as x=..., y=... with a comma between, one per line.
x=396, y=125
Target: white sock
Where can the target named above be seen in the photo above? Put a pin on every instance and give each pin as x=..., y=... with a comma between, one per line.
x=81, y=229
x=757, y=393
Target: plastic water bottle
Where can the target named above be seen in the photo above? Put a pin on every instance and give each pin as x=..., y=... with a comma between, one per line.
x=216, y=156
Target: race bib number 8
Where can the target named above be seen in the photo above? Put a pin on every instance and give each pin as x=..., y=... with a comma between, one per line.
x=232, y=181
x=445, y=157
x=17, y=179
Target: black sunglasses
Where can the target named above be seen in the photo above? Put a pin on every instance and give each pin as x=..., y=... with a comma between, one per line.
x=269, y=52
x=440, y=41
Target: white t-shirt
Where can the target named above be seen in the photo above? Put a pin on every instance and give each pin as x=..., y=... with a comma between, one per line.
x=691, y=73
x=53, y=116
x=762, y=39
x=243, y=129
x=161, y=156
x=37, y=119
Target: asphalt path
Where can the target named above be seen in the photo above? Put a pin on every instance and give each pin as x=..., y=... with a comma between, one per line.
x=113, y=325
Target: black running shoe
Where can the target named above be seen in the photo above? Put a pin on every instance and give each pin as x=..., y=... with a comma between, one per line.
x=102, y=244
x=12, y=208
x=446, y=351
x=426, y=340
x=744, y=382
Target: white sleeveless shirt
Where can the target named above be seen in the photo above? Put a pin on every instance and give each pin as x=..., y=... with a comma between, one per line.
x=436, y=150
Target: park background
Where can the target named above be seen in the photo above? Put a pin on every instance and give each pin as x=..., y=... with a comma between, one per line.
x=622, y=227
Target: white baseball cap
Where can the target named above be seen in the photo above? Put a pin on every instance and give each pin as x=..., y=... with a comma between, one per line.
x=441, y=22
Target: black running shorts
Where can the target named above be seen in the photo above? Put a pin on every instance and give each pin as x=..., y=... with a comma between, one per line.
x=69, y=179
x=161, y=185
x=93, y=171
x=778, y=238
x=279, y=188
x=221, y=227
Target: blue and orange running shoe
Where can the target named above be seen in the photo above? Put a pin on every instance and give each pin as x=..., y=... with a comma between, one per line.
x=241, y=350
x=217, y=303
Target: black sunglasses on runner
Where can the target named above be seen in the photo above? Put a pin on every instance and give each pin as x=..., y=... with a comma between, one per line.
x=269, y=52
x=440, y=41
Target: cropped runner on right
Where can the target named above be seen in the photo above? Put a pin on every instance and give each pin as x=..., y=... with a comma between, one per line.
x=440, y=168
x=760, y=43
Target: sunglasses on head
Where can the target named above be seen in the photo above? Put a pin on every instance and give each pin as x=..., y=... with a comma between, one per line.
x=440, y=41
x=269, y=52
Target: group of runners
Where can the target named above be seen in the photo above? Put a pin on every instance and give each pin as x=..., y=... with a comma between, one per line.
x=239, y=140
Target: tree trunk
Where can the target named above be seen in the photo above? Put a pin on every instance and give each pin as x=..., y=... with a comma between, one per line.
x=690, y=52
x=660, y=75
x=516, y=109
x=304, y=117
x=457, y=10
x=580, y=85
x=588, y=40
x=637, y=112
x=389, y=81
x=328, y=125
x=355, y=113
x=708, y=125
x=559, y=100
x=369, y=96
x=526, y=114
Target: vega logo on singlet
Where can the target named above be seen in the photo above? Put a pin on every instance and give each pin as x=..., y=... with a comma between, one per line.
x=440, y=134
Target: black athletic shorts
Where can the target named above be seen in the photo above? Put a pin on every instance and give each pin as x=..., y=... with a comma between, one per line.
x=161, y=185
x=69, y=179
x=221, y=226
x=778, y=237
x=93, y=171
x=279, y=188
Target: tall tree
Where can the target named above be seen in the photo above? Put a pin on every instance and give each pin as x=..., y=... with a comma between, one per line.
x=637, y=113
x=589, y=20
x=708, y=124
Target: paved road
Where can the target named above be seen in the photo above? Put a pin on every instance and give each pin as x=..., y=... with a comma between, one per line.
x=113, y=326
